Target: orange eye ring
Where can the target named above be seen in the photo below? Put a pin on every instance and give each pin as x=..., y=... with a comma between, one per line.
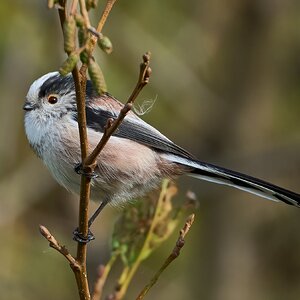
x=52, y=99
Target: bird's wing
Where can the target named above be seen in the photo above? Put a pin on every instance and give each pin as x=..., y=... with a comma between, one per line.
x=133, y=128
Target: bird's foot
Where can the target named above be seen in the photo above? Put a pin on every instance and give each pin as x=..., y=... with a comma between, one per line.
x=87, y=172
x=79, y=237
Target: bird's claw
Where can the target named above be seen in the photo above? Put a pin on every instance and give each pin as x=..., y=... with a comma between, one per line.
x=79, y=237
x=87, y=173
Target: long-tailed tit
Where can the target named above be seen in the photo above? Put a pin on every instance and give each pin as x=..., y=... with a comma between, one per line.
x=136, y=157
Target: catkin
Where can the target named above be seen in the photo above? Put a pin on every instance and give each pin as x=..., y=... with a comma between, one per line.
x=105, y=44
x=82, y=36
x=84, y=57
x=97, y=77
x=69, y=64
x=79, y=20
x=69, y=34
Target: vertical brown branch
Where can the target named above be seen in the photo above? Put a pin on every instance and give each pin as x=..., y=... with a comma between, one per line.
x=85, y=187
x=80, y=88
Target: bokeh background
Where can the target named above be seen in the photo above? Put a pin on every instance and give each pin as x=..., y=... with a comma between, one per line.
x=226, y=80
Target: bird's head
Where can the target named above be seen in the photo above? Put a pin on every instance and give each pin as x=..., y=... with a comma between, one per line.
x=51, y=96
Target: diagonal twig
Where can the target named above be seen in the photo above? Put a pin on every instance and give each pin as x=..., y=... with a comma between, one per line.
x=53, y=243
x=112, y=125
x=175, y=253
x=103, y=272
x=105, y=14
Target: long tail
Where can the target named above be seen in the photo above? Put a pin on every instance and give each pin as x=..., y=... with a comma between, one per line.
x=237, y=180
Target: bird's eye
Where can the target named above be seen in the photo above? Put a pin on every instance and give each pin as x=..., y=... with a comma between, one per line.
x=52, y=99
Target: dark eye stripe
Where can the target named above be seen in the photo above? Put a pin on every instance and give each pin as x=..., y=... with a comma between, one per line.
x=56, y=84
x=60, y=85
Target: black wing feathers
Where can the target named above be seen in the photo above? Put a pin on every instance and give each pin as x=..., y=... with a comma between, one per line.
x=135, y=130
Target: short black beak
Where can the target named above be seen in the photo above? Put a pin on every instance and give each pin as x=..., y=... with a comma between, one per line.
x=28, y=106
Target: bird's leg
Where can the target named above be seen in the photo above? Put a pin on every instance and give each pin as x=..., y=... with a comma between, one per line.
x=78, y=236
x=97, y=212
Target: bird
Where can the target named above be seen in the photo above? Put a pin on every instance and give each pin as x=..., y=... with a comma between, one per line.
x=133, y=162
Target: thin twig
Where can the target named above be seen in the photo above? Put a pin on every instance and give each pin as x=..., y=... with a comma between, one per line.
x=94, y=36
x=73, y=8
x=112, y=125
x=105, y=14
x=62, y=13
x=53, y=243
x=103, y=272
x=175, y=253
x=84, y=13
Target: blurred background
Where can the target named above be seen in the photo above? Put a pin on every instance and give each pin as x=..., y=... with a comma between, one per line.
x=226, y=84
